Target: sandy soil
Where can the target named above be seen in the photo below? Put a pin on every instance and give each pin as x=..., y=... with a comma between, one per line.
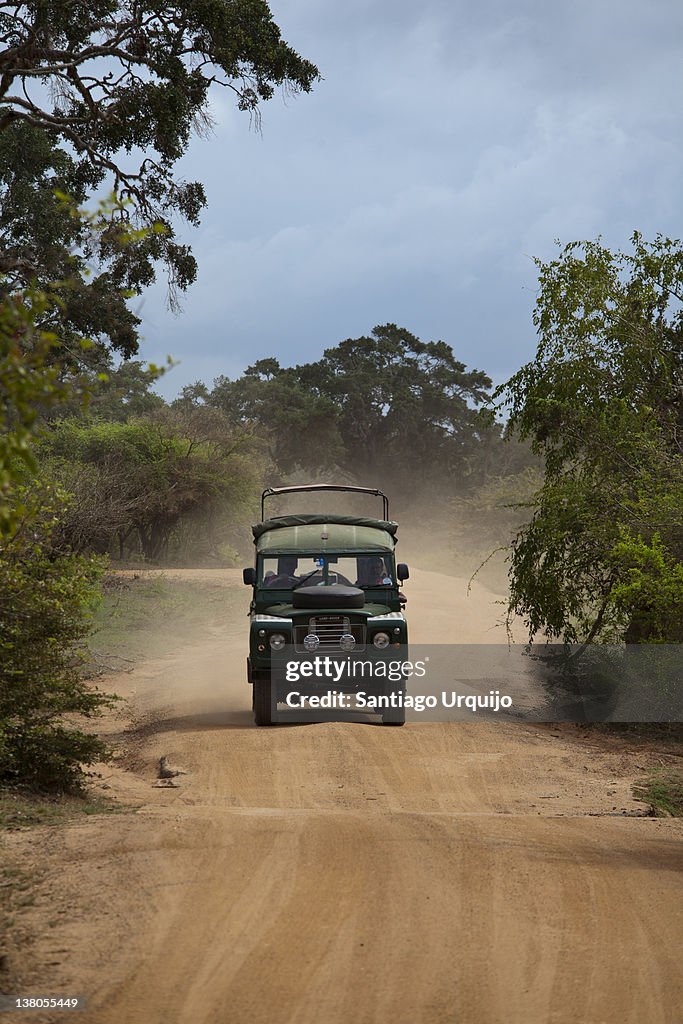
x=339, y=873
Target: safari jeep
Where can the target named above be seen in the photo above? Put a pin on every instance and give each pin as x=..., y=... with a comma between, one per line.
x=325, y=585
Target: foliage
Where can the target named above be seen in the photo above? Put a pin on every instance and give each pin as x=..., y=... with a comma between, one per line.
x=145, y=478
x=110, y=92
x=649, y=589
x=404, y=404
x=49, y=243
x=46, y=595
x=45, y=590
x=114, y=392
x=663, y=790
x=387, y=408
x=272, y=400
x=29, y=384
x=35, y=385
x=602, y=403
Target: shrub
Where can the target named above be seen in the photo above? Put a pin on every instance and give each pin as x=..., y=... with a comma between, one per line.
x=46, y=597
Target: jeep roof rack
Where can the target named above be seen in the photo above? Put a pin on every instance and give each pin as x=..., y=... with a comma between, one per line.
x=270, y=491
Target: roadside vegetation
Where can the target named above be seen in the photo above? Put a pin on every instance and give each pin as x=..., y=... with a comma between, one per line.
x=663, y=790
x=23, y=807
x=602, y=404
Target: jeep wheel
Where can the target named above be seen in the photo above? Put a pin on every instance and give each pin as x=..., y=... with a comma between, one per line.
x=263, y=707
x=394, y=716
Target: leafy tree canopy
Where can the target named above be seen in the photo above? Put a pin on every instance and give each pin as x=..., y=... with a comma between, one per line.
x=602, y=402
x=300, y=428
x=145, y=478
x=30, y=384
x=107, y=94
x=403, y=403
x=386, y=407
x=45, y=240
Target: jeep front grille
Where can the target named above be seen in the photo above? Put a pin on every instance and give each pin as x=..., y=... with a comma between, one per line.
x=329, y=630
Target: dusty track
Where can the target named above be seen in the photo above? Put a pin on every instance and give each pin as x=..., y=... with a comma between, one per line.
x=343, y=873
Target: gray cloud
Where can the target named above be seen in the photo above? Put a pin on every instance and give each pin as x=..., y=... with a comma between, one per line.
x=447, y=145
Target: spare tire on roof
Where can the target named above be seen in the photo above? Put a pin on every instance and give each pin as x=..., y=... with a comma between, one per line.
x=334, y=596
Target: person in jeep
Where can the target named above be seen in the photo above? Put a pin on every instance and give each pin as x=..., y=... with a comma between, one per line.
x=372, y=572
x=286, y=573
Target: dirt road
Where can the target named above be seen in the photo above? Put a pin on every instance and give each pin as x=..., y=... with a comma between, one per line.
x=344, y=873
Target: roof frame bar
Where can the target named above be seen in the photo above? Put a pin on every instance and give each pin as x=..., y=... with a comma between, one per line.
x=270, y=491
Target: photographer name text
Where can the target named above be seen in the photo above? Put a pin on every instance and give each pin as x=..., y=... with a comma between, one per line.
x=361, y=700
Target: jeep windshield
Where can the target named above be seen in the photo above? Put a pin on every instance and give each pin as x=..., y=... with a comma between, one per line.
x=289, y=572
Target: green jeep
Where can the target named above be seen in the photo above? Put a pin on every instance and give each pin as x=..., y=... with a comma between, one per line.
x=324, y=584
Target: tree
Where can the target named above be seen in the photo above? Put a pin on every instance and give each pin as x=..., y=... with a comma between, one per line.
x=111, y=91
x=385, y=408
x=603, y=405
x=48, y=242
x=298, y=426
x=406, y=406
x=29, y=385
x=114, y=392
x=147, y=477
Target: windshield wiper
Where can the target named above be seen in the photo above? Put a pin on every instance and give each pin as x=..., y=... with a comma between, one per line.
x=304, y=578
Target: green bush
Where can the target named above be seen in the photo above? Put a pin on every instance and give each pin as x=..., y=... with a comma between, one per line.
x=46, y=600
x=602, y=405
x=167, y=486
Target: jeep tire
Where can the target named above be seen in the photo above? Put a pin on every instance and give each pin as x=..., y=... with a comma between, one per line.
x=394, y=716
x=262, y=703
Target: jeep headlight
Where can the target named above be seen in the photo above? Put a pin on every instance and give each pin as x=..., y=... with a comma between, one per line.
x=277, y=641
x=381, y=640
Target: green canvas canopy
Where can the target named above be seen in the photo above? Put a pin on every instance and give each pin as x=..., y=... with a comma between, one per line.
x=320, y=533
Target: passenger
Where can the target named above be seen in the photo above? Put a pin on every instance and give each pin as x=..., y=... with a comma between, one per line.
x=286, y=573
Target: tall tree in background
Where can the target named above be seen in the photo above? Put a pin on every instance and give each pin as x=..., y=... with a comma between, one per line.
x=385, y=408
x=406, y=407
x=602, y=403
x=106, y=94
x=299, y=426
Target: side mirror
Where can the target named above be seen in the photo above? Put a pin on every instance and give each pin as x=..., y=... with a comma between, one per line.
x=402, y=571
x=249, y=577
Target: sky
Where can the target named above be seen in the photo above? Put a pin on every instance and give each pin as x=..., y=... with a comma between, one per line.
x=448, y=145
